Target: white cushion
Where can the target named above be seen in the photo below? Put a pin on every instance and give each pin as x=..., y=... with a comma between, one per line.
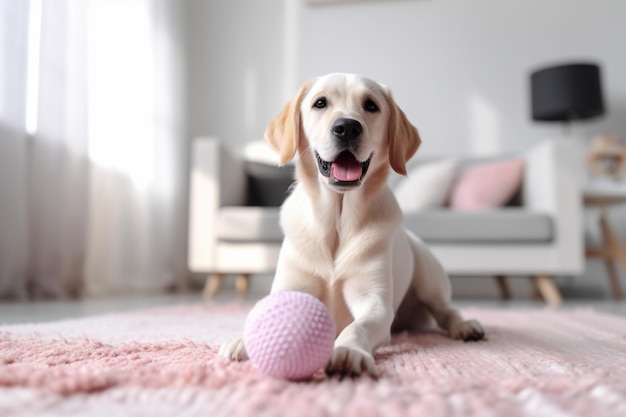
x=249, y=224
x=427, y=185
x=260, y=151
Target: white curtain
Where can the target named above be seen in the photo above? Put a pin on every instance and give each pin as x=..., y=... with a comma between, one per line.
x=13, y=149
x=95, y=192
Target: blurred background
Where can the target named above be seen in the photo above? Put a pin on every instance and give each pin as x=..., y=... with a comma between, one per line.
x=100, y=101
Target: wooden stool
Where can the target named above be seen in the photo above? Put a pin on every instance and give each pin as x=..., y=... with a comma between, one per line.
x=612, y=251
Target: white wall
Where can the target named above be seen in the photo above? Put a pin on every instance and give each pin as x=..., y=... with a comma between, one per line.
x=459, y=68
x=236, y=67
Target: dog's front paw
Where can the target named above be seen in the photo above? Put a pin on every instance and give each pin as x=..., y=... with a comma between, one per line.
x=469, y=330
x=350, y=361
x=234, y=350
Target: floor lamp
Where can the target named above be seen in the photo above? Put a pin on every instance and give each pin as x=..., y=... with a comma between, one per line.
x=567, y=93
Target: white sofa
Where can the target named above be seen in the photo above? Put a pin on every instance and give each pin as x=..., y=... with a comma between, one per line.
x=542, y=238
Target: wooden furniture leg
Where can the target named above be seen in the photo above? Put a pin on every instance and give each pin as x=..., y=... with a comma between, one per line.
x=546, y=286
x=616, y=289
x=242, y=284
x=615, y=252
x=611, y=251
x=212, y=285
x=536, y=294
x=503, y=287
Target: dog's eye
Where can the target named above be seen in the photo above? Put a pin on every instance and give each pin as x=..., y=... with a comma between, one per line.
x=370, y=106
x=320, y=103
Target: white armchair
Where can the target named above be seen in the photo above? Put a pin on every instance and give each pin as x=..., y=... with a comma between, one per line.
x=225, y=235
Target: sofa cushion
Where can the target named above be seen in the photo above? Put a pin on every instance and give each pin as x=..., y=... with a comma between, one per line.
x=268, y=185
x=487, y=185
x=249, y=224
x=507, y=225
x=427, y=185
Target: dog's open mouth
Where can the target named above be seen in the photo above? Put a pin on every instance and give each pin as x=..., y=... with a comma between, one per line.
x=344, y=170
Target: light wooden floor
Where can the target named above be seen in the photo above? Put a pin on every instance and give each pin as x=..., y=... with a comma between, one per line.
x=30, y=312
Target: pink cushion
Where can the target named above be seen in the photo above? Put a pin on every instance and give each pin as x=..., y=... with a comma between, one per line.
x=487, y=185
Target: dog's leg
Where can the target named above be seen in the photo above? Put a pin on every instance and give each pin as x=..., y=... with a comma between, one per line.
x=432, y=286
x=450, y=320
x=234, y=350
x=371, y=308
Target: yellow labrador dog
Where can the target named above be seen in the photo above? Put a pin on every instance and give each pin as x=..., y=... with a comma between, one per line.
x=344, y=241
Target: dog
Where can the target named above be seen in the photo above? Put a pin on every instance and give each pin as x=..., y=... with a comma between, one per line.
x=344, y=241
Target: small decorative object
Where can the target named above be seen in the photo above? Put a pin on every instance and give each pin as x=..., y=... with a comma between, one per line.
x=607, y=157
x=289, y=335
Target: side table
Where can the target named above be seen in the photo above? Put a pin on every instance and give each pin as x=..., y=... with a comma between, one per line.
x=612, y=251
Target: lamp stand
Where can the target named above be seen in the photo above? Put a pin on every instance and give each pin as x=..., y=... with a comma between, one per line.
x=566, y=128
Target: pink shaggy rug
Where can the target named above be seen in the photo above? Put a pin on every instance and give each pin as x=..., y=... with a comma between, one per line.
x=163, y=362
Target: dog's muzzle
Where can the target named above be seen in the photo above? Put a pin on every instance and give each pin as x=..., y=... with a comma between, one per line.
x=345, y=170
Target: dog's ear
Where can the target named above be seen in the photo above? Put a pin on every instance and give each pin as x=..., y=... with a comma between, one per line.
x=283, y=133
x=403, y=137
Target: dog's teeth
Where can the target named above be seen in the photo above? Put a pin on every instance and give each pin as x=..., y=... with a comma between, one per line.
x=323, y=165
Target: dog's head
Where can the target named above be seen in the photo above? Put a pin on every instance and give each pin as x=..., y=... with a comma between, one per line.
x=347, y=129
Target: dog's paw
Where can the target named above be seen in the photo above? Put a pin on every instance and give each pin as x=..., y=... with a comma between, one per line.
x=234, y=350
x=469, y=330
x=350, y=361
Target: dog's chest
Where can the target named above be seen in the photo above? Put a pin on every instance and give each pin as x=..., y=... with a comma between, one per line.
x=320, y=255
x=320, y=235
x=338, y=241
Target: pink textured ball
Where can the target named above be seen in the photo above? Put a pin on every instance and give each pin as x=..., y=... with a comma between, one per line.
x=289, y=335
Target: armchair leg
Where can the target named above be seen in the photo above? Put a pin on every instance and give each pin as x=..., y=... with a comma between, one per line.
x=544, y=285
x=503, y=287
x=242, y=284
x=212, y=285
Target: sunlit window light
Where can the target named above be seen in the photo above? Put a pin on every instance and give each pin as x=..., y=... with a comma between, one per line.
x=32, y=80
x=121, y=91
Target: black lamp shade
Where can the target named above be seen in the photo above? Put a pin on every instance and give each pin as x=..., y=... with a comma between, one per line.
x=566, y=92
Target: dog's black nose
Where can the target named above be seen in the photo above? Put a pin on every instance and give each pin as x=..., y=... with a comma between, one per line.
x=347, y=129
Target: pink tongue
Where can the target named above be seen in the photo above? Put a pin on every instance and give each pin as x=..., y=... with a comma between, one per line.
x=346, y=168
